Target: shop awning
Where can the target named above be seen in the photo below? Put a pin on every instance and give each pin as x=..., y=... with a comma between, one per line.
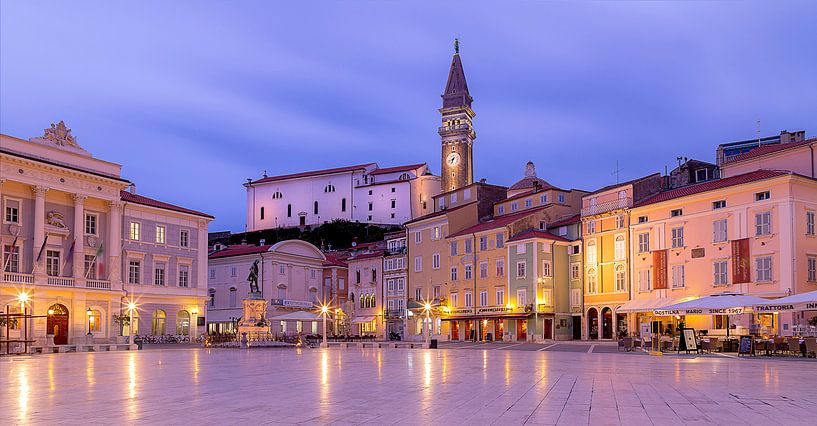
x=648, y=305
x=797, y=302
x=359, y=320
x=716, y=304
x=297, y=316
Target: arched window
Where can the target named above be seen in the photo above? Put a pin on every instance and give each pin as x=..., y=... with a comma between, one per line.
x=591, y=252
x=212, y=297
x=372, y=301
x=404, y=176
x=183, y=323
x=591, y=281
x=620, y=285
x=233, y=297
x=157, y=327
x=343, y=204
x=289, y=210
x=620, y=247
x=276, y=195
x=329, y=188
x=315, y=209
x=363, y=301
x=95, y=321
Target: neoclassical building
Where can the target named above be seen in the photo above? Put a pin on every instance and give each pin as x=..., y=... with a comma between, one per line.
x=81, y=248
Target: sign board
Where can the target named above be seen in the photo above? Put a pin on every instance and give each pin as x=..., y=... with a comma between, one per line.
x=292, y=303
x=659, y=266
x=740, y=261
x=698, y=252
x=746, y=346
x=688, y=342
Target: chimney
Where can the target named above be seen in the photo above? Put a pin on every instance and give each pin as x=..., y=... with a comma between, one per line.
x=791, y=137
x=132, y=188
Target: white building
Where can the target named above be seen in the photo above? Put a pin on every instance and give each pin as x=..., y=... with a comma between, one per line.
x=362, y=193
x=81, y=248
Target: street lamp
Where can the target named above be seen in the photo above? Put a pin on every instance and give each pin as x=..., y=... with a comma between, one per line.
x=427, y=309
x=89, y=313
x=325, y=313
x=23, y=298
x=131, y=308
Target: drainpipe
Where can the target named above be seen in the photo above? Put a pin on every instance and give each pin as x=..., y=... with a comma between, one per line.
x=811, y=148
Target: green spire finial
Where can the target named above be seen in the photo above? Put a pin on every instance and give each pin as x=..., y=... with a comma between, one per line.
x=456, y=45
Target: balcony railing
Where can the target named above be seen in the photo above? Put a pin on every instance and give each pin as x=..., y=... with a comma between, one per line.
x=394, y=313
x=61, y=281
x=98, y=284
x=621, y=203
x=454, y=128
x=17, y=278
x=396, y=250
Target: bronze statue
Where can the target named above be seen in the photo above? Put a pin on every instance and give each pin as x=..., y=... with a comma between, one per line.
x=253, y=278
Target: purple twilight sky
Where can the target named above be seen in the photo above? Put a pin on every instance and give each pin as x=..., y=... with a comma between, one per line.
x=195, y=97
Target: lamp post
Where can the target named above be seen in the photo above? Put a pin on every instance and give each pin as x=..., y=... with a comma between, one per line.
x=194, y=323
x=325, y=313
x=131, y=308
x=23, y=298
x=427, y=309
x=89, y=313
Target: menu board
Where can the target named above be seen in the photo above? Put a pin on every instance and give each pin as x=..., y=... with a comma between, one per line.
x=745, y=347
x=688, y=342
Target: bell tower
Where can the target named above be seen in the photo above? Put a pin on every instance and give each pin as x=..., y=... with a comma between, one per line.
x=457, y=131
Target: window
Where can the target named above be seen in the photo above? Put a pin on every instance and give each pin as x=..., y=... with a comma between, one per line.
x=528, y=203
x=543, y=226
x=521, y=248
x=500, y=240
x=468, y=299
x=312, y=274
x=644, y=242
x=435, y=261
x=135, y=231
x=719, y=231
x=591, y=281
x=562, y=231
x=329, y=188
x=282, y=270
x=232, y=271
x=357, y=276
x=135, y=272
x=543, y=199
x=400, y=284
x=90, y=224
x=212, y=294
x=466, y=194
x=483, y=298
x=620, y=221
x=763, y=223
x=453, y=198
x=620, y=279
x=561, y=198
x=677, y=276
x=453, y=245
x=160, y=234
x=591, y=252
x=469, y=274
x=809, y=223
x=418, y=238
x=720, y=272
x=701, y=175
x=262, y=213
x=436, y=234
x=644, y=280
x=233, y=297
x=393, y=203
x=52, y=263
x=811, y=268
x=678, y=237
x=95, y=321
x=418, y=294
x=591, y=227
x=212, y=273
x=454, y=273
x=315, y=207
x=184, y=238
x=469, y=246
x=12, y=212
x=575, y=271
x=159, y=274
x=483, y=270
x=718, y=204
x=184, y=276
x=454, y=300
x=521, y=297
x=500, y=297
x=418, y=264
x=483, y=243
x=500, y=267
x=575, y=297
x=11, y=258
x=760, y=196
x=642, y=219
x=763, y=268
x=520, y=269
x=371, y=206
x=546, y=270
x=501, y=210
x=620, y=247
x=514, y=206
x=676, y=213
x=276, y=195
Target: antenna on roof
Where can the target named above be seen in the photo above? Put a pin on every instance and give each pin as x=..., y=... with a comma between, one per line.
x=617, y=171
x=758, y=132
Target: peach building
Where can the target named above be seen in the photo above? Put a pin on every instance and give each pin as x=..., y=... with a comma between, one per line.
x=750, y=233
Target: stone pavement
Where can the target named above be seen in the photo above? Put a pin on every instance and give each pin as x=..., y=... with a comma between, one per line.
x=394, y=386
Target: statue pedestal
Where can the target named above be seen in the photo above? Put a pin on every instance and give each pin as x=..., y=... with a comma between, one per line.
x=253, y=323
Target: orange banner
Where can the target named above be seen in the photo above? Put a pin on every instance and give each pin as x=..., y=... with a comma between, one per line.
x=659, y=269
x=741, y=271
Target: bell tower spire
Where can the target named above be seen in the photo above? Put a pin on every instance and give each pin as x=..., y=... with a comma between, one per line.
x=456, y=133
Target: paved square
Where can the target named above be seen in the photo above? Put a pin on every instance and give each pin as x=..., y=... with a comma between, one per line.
x=394, y=386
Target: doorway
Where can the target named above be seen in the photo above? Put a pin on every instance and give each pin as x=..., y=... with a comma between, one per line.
x=521, y=330
x=547, y=324
x=57, y=323
x=455, y=330
x=499, y=329
x=606, y=323
x=577, y=328
x=469, y=330
x=593, y=324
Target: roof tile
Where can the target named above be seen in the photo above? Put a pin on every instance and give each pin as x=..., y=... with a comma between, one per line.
x=150, y=202
x=711, y=186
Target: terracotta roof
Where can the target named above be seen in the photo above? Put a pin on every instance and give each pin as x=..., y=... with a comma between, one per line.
x=470, y=185
x=439, y=213
x=313, y=173
x=528, y=182
x=629, y=182
x=711, y=186
x=238, y=250
x=145, y=201
x=335, y=259
x=396, y=169
x=369, y=255
x=536, y=233
x=496, y=222
x=768, y=149
x=568, y=221
x=395, y=234
x=528, y=193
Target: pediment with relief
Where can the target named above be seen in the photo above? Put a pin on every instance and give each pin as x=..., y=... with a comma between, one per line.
x=59, y=135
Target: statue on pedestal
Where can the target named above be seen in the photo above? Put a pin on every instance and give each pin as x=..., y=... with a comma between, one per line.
x=254, y=321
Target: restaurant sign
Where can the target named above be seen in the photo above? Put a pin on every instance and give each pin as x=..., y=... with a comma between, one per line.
x=287, y=303
x=698, y=311
x=773, y=308
x=494, y=310
x=461, y=311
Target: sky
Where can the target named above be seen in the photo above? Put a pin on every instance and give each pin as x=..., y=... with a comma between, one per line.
x=193, y=98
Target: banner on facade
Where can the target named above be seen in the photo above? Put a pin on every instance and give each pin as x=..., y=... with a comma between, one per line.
x=659, y=269
x=741, y=272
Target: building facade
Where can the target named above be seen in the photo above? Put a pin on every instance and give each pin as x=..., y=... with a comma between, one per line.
x=70, y=244
x=395, y=278
x=366, y=297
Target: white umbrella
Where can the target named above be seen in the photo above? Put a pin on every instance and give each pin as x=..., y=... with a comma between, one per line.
x=797, y=302
x=716, y=304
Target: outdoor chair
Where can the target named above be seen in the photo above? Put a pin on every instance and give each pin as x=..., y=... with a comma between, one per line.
x=625, y=344
x=715, y=344
x=794, y=346
x=666, y=345
x=811, y=347
x=780, y=344
x=706, y=346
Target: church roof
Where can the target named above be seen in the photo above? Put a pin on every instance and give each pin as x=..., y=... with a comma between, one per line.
x=456, y=88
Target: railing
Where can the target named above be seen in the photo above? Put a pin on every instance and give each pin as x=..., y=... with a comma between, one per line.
x=61, y=281
x=98, y=284
x=394, y=313
x=453, y=128
x=17, y=278
x=621, y=203
x=397, y=250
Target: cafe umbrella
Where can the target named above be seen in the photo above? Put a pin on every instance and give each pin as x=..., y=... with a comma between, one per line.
x=716, y=304
x=797, y=302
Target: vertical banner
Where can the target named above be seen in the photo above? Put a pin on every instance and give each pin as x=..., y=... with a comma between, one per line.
x=659, y=269
x=741, y=272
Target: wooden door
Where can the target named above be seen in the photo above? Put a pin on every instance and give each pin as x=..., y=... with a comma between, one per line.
x=455, y=330
x=548, y=328
x=521, y=330
x=57, y=324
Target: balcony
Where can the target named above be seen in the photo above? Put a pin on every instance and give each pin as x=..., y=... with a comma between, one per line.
x=395, y=251
x=16, y=278
x=454, y=128
x=394, y=313
x=620, y=203
x=98, y=284
x=61, y=281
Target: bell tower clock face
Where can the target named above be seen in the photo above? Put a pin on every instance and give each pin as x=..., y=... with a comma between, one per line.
x=453, y=159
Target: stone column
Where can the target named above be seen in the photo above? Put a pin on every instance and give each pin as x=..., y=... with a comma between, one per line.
x=77, y=262
x=113, y=245
x=39, y=227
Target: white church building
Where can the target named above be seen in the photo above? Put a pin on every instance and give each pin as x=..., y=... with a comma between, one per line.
x=362, y=193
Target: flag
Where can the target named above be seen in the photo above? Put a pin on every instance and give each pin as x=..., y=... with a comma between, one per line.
x=42, y=249
x=10, y=253
x=99, y=252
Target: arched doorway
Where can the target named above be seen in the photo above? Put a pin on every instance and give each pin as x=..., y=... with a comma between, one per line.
x=158, y=322
x=183, y=323
x=606, y=323
x=593, y=324
x=57, y=323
